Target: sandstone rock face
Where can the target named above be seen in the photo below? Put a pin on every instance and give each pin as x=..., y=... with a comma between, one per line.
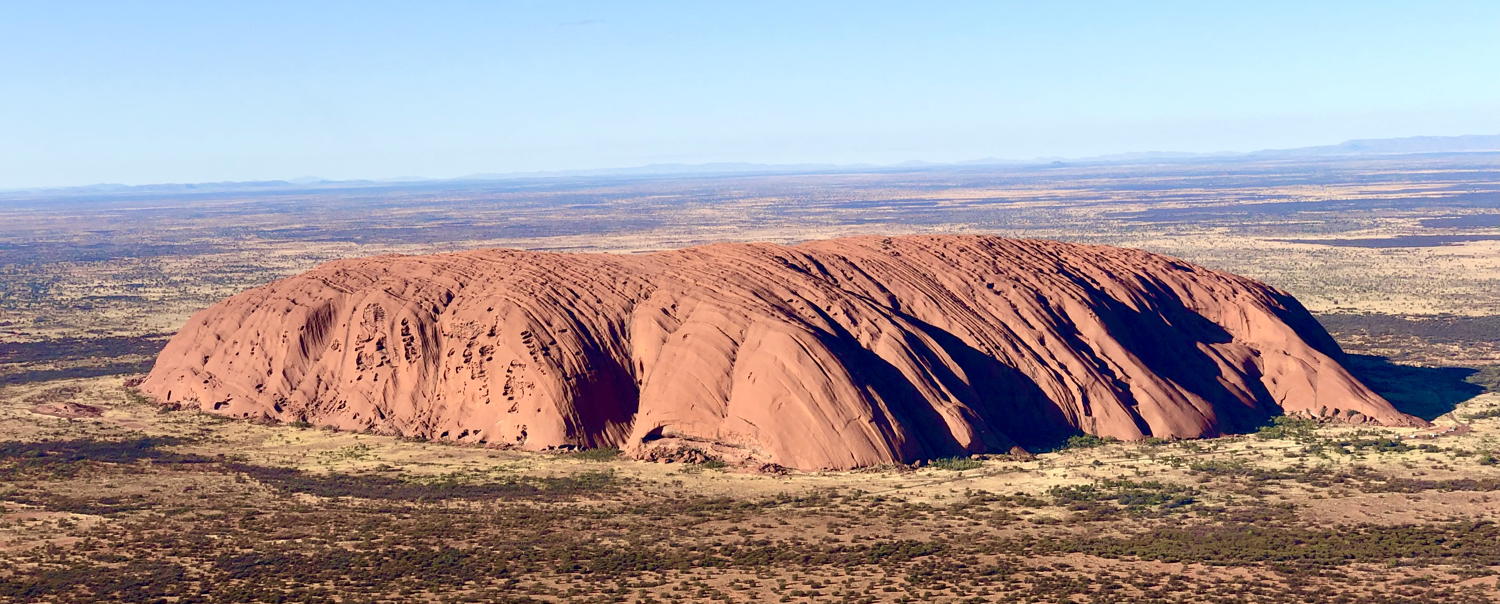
x=829, y=354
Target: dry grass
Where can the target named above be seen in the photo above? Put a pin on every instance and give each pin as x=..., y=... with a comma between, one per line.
x=138, y=504
x=1082, y=521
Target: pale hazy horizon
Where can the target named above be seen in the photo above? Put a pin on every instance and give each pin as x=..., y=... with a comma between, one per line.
x=165, y=92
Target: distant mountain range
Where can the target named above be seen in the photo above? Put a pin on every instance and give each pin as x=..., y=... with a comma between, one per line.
x=1474, y=143
x=1397, y=146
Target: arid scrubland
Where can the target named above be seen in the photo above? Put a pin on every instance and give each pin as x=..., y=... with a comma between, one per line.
x=140, y=503
x=105, y=496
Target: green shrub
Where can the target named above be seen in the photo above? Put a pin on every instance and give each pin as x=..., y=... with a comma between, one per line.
x=1289, y=428
x=955, y=463
x=600, y=454
x=1087, y=441
x=1487, y=377
x=135, y=397
x=1134, y=496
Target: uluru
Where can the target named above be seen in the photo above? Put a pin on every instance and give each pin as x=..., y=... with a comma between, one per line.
x=828, y=354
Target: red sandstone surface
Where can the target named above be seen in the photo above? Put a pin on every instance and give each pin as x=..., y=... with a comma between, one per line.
x=829, y=354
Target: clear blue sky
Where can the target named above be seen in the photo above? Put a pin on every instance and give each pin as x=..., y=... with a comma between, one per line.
x=140, y=92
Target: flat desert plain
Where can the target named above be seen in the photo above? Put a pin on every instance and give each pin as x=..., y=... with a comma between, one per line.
x=107, y=496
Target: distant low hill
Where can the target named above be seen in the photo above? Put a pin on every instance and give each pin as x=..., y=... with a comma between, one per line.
x=1474, y=143
x=1396, y=146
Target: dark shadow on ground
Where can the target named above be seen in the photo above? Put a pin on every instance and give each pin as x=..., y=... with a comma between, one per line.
x=53, y=460
x=69, y=373
x=74, y=349
x=1425, y=392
